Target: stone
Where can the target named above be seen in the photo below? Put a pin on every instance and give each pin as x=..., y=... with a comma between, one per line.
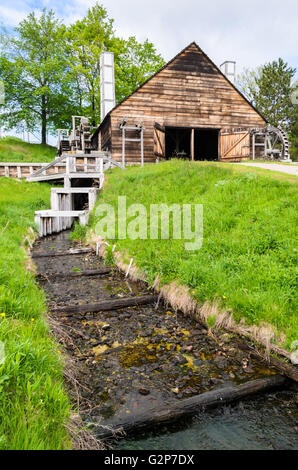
x=221, y=362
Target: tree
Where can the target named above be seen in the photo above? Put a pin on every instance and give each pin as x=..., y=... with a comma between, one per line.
x=35, y=72
x=247, y=83
x=134, y=61
x=274, y=93
x=268, y=88
x=51, y=72
x=134, y=65
x=87, y=39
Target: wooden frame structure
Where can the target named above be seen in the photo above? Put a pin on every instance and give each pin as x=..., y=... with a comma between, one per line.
x=140, y=130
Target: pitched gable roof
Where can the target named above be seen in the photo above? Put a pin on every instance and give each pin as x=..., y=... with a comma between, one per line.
x=212, y=64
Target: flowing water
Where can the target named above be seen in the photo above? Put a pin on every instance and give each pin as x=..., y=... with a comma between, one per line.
x=264, y=423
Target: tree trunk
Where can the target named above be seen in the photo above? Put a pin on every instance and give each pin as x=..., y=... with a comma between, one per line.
x=43, y=120
x=93, y=110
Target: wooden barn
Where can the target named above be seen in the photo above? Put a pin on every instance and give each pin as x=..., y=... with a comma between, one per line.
x=188, y=109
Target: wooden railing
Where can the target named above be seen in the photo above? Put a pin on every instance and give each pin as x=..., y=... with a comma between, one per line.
x=24, y=170
x=66, y=164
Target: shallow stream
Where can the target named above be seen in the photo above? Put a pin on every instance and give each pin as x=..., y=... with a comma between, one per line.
x=142, y=358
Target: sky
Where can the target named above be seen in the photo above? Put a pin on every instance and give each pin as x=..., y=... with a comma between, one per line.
x=250, y=33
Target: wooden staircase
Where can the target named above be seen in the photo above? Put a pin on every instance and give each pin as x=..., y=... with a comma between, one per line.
x=63, y=210
x=77, y=166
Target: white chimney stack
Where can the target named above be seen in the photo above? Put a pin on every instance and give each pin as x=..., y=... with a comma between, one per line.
x=228, y=68
x=107, y=84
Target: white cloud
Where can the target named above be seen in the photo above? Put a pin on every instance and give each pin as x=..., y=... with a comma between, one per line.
x=12, y=16
x=250, y=33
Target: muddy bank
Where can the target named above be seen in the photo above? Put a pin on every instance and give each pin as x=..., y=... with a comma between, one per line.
x=136, y=358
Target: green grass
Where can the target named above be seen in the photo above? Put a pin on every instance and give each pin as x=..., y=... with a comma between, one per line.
x=79, y=232
x=13, y=149
x=248, y=259
x=34, y=406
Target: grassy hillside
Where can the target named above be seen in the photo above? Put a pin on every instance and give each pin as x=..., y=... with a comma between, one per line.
x=248, y=260
x=13, y=149
x=34, y=407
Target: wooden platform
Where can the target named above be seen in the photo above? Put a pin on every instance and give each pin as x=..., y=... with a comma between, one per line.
x=54, y=221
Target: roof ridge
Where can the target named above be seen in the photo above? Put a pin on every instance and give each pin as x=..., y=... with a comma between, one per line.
x=167, y=64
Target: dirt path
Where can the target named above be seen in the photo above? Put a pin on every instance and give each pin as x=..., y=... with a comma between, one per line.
x=287, y=169
x=138, y=357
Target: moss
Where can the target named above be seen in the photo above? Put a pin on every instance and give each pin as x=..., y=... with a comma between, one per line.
x=137, y=355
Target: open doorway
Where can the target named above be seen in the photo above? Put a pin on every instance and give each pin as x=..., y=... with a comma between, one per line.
x=178, y=142
x=186, y=143
x=206, y=144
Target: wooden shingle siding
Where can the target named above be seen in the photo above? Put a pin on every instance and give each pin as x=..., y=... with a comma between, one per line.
x=189, y=92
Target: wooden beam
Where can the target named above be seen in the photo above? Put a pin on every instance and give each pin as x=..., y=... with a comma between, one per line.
x=104, y=305
x=134, y=422
x=94, y=272
x=61, y=253
x=192, y=144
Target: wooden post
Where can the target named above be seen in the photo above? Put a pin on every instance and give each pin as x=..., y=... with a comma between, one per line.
x=123, y=146
x=192, y=144
x=97, y=164
x=67, y=165
x=101, y=170
x=142, y=147
x=253, y=146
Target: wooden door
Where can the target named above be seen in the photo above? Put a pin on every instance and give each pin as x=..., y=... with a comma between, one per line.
x=159, y=141
x=234, y=144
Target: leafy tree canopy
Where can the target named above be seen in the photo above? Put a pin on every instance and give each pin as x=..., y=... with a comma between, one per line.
x=269, y=89
x=51, y=72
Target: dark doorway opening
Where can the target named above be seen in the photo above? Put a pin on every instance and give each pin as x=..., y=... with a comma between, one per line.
x=80, y=202
x=206, y=144
x=179, y=143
